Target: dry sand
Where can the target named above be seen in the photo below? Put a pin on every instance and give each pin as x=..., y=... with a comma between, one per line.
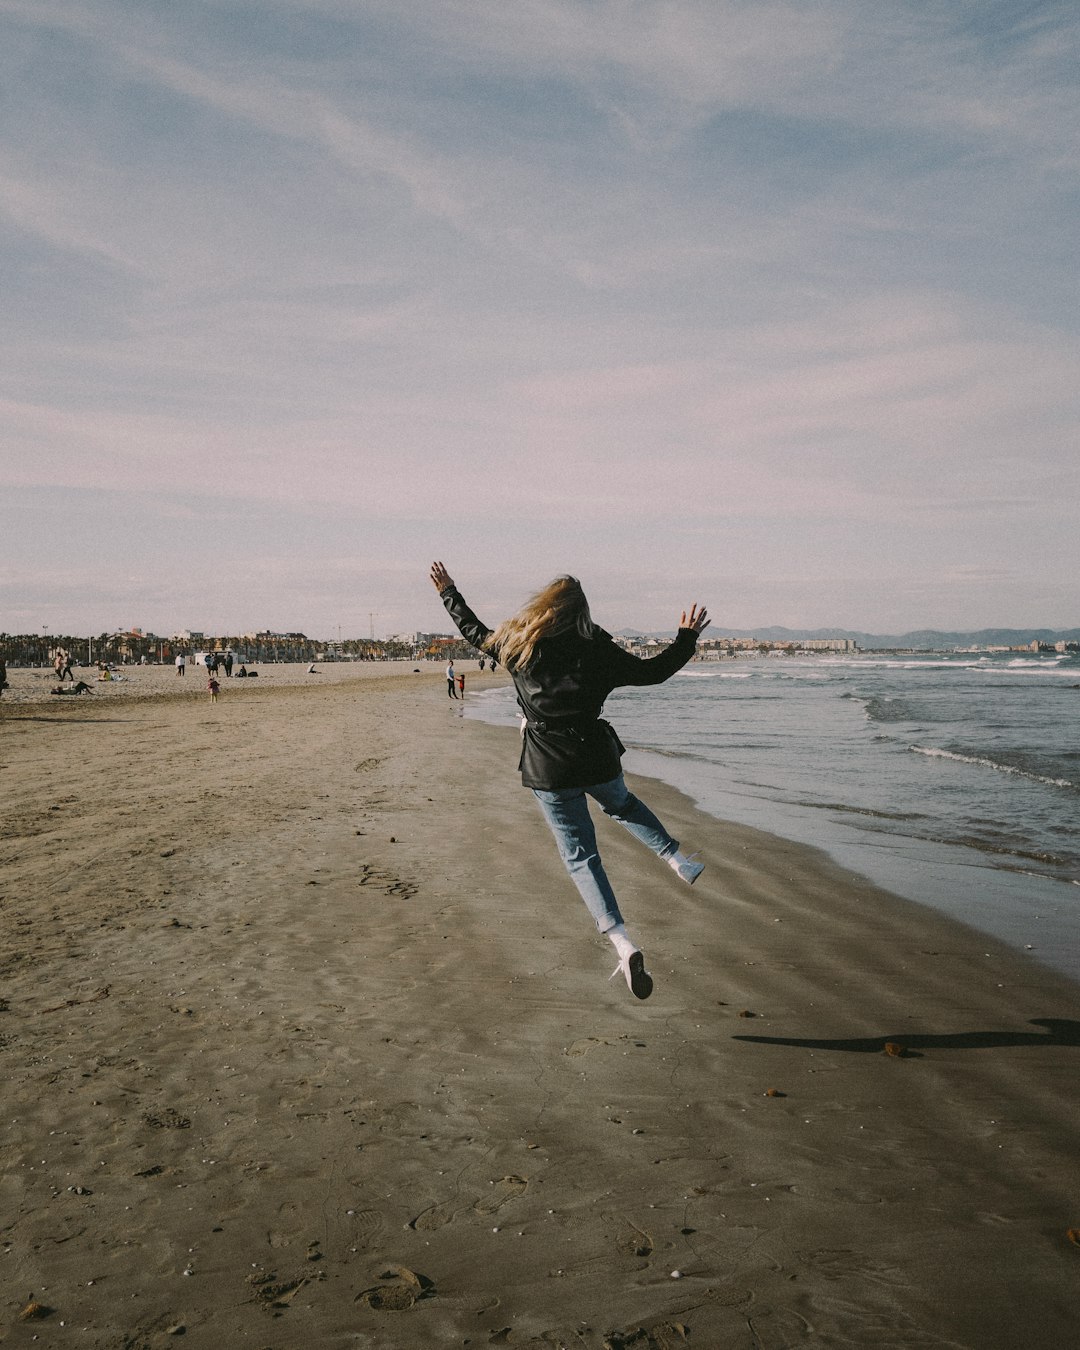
x=307, y=1041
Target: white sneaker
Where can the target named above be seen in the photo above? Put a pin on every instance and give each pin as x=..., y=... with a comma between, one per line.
x=687, y=867
x=637, y=977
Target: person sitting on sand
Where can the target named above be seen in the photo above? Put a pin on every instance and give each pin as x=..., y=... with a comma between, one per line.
x=563, y=667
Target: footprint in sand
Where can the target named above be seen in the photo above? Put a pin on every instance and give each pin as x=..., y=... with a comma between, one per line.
x=399, y=1289
x=288, y=1229
x=386, y=881
x=274, y=1293
x=583, y=1046
x=634, y=1241
x=367, y=1225
x=503, y=1190
x=662, y=1336
x=166, y=1119
x=434, y=1217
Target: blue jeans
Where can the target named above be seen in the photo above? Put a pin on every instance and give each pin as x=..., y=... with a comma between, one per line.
x=567, y=812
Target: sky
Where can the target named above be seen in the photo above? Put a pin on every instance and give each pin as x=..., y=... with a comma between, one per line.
x=765, y=305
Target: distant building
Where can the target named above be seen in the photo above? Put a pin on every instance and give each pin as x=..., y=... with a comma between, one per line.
x=267, y=636
x=715, y=649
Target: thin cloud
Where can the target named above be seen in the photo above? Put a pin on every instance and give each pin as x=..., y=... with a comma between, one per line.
x=784, y=282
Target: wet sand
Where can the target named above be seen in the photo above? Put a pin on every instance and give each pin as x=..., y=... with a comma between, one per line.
x=307, y=1041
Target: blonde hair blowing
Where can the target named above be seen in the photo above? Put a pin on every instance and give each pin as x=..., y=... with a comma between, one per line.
x=559, y=608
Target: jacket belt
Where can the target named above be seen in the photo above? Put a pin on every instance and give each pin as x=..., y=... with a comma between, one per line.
x=579, y=726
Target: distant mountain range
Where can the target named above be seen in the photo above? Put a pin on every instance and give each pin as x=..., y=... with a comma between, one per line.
x=923, y=639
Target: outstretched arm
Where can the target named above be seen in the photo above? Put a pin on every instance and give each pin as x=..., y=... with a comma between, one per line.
x=655, y=669
x=469, y=626
x=440, y=577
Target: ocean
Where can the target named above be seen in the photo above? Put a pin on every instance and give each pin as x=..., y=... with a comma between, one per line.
x=952, y=780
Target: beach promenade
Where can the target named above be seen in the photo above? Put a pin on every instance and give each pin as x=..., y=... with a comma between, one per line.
x=307, y=1041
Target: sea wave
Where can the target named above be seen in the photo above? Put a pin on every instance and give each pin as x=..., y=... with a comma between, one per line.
x=934, y=752
x=891, y=708
x=1042, y=669
x=874, y=813
x=920, y=664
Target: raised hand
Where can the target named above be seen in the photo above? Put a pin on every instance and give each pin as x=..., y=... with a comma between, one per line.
x=440, y=577
x=698, y=620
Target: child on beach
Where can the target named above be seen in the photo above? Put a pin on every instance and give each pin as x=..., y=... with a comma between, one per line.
x=213, y=685
x=563, y=667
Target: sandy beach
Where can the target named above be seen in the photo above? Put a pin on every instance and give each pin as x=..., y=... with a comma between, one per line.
x=307, y=1041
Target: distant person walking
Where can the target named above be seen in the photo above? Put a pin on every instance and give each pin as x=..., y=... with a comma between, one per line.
x=3, y=675
x=563, y=667
x=214, y=687
x=451, y=691
x=181, y=663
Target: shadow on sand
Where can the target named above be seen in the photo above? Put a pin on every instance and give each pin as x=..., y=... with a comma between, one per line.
x=1058, y=1031
x=62, y=717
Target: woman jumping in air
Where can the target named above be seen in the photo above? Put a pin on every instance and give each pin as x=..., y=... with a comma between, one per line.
x=563, y=667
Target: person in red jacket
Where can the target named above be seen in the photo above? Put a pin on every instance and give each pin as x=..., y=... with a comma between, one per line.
x=563, y=667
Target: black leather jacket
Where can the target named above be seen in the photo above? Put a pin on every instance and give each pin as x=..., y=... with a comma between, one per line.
x=561, y=693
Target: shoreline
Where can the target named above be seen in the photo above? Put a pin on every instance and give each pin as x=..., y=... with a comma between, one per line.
x=1034, y=915
x=299, y=999
x=935, y=875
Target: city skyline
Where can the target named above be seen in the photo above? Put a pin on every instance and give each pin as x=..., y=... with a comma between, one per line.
x=989, y=638
x=769, y=307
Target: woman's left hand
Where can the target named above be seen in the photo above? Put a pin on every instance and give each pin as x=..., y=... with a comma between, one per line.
x=699, y=619
x=440, y=577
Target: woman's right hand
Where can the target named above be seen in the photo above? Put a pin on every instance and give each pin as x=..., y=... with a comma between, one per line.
x=698, y=620
x=440, y=577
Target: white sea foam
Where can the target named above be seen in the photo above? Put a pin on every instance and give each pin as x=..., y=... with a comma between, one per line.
x=934, y=753
x=1044, y=667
